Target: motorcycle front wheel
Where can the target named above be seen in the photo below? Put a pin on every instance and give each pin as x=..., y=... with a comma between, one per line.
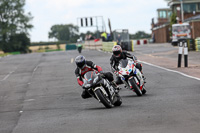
x=135, y=87
x=104, y=100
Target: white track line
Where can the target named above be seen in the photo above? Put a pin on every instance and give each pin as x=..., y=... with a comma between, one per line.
x=7, y=76
x=35, y=68
x=183, y=74
x=72, y=60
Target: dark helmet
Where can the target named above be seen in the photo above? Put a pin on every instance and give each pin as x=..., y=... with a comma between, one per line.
x=80, y=61
x=117, y=50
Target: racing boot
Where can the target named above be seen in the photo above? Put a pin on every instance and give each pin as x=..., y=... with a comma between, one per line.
x=85, y=94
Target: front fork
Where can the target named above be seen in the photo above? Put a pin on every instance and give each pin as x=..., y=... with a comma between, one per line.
x=102, y=90
x=127, y=84
x=109, y=92
x=139, y=76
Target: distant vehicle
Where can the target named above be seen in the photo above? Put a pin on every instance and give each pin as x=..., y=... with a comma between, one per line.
x=79, y=47
x=180, y=32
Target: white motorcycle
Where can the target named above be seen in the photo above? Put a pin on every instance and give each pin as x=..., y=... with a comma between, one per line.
x=131, y=76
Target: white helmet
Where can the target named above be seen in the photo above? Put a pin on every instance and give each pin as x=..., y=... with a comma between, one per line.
x=117, y=50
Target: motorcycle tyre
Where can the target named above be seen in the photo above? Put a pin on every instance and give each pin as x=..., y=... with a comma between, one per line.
x=103, y=99
x=144, y=91
x=119, y=100
x=135, y=87
x=79, y=50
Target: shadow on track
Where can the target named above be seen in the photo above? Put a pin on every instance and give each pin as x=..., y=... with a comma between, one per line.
x=135, y=96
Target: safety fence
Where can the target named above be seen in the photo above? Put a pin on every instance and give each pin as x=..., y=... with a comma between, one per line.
x=197, y=44
x=107, y=46
x=191, y=44
x=140, y=41
x=89, y=44
x=93, y=44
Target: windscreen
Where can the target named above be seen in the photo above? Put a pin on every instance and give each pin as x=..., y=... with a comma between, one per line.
x=123, y=63
x=89, y=76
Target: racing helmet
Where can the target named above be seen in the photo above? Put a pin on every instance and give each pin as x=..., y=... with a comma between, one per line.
x=117, y=50
x=80, y=61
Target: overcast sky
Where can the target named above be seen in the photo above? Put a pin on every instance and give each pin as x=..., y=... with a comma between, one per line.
x=133, y=15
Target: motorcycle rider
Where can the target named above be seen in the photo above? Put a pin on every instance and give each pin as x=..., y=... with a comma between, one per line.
x=79, y=46
x=117, y=55
x=84, y=66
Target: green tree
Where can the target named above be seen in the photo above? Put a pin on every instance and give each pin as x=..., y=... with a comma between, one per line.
x=172, y=21
x=67, y=32
x=18, y=42
x=13, y=22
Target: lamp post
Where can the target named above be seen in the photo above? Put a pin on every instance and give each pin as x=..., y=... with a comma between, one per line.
x=182, y=15
x=178, y=18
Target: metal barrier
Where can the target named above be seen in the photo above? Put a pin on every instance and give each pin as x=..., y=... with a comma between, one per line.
x=197, y=44
x=70, y=47
x=191, y=44
x=128, y=46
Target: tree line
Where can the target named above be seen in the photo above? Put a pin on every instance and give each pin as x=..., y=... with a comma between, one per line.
x=70, y=33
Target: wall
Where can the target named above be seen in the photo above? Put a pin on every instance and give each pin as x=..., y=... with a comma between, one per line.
x=195, y=29
x=162, y=21
x=162, y=34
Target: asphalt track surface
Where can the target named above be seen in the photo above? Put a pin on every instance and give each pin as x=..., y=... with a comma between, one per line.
x=39, y=94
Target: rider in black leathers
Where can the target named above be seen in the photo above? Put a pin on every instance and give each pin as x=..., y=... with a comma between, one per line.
x=117, y=55
x=83, y=66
